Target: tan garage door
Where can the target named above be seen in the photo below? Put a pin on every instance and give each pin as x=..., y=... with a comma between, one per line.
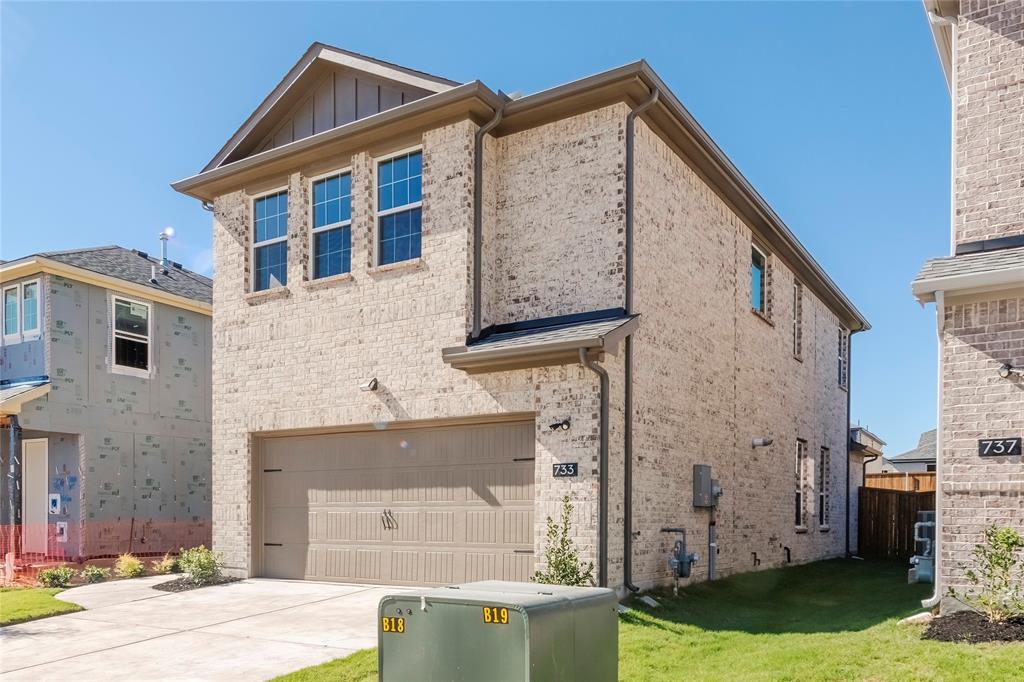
x=413, y=506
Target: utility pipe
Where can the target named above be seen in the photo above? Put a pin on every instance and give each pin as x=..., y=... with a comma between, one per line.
x=940, y=324
x=627, y=474
x=602, y=514
x=478, y=218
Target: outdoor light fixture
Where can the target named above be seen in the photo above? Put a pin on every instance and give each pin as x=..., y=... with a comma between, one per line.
x=370, y=385
x=761, y=442
x=563, y=425
x=1007, y=370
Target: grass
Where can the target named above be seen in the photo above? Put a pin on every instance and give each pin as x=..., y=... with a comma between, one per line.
x=20, y=604
x=831, y=620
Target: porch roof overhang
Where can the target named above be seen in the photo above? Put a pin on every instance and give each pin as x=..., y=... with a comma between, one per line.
x=539, y=343
x=971, y=273
x=14, y=395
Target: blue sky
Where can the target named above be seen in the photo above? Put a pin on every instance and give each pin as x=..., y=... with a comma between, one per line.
x=836, y=112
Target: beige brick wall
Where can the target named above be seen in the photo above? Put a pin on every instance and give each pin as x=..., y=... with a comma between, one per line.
x=553, y=245
x=989, y=107
x=979, y=336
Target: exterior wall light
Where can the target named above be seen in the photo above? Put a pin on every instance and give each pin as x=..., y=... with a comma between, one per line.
x=370, y=385
x=761, y=442
x=1008, y=370
x=562, y=425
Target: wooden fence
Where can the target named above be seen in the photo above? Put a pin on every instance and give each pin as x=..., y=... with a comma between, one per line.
x=886, y=522
x=921, y=482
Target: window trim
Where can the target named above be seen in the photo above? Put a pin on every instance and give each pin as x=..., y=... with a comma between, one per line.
x=378, y=214
x=763, y=310
x=267, y=242
x=122, y=369
x=21, y=334
x=798, y=319
x=824, y=489
x=843, y=358
x=325, y=228
x=801, y=475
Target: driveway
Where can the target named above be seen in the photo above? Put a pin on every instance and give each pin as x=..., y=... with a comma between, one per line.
x=248, y=630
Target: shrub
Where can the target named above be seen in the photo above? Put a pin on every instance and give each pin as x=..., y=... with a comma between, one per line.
x=997, y=575
x=95, y=574
x=561, y=556
x=128, y=566
x=200, y=565
x=58, y=576
x=167, y=564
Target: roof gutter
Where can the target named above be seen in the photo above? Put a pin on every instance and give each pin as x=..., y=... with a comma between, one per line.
x=927, y=290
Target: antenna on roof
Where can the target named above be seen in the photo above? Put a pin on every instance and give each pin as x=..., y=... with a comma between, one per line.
x=166, y=234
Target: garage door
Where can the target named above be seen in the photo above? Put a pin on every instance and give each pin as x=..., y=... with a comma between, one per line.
x=402, y=507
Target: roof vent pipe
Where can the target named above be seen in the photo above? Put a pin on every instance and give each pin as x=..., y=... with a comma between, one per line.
x=627, y=469
x=165, y=234
x=478, y=217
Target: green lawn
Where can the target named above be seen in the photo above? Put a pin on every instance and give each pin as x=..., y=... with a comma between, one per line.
x=19, y=604
x=832, y=620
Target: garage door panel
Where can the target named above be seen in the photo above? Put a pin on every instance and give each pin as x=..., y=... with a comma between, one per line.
x=406, y=506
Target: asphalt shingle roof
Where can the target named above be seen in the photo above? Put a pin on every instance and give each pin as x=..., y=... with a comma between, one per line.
x=546, y=335
x=971, y=263
x=136, y=266
x=925, y=449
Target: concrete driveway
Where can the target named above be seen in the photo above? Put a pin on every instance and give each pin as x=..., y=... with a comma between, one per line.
x=249, y=630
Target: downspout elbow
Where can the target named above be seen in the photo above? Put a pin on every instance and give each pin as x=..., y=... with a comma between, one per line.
x=478, y=217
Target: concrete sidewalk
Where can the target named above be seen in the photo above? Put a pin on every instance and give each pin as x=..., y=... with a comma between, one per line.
x=249, y=630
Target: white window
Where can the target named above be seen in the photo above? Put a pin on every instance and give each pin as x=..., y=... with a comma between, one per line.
x=270, y=241
x=800, y=509
x=22, y=311
x=399, y=207
x=131, y=336
x=824, y=490
x=798, y=320
x=844, y=357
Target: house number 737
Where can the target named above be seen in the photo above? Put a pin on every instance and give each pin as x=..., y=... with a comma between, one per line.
x=993, y=447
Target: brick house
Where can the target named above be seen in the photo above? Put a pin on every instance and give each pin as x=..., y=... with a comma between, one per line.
x=104, y=405
x=436, y=306
x=978, y=290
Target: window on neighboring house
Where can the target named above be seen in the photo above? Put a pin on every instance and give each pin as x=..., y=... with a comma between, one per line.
x=758, y=280
x=131, y=335
x=929, y=467
x=332, y=225
x=798, y=319
x=399, y=202
x=21, y=310
x=270, y=243
x=824, y=489
x=844, y=357
x=800, y=509
x=11, y=311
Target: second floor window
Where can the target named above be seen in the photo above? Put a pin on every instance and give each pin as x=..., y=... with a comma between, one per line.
x=270, y=241
x=332, y=225
x=844, y=358
x=131, y=335
x=21, y=310
x=10, y=311
x=798, y=319
x=758, y=280
x=399, y=202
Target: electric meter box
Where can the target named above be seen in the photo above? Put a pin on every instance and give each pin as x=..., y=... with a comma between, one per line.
x=498, y=631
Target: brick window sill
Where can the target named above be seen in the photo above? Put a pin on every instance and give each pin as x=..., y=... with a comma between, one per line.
x=824, y=529
x=327, y=282
x=257, y=297
x=411, y=264
x=800, y=529
x=761, y=316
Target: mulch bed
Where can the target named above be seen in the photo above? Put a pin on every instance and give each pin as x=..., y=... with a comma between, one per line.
x=183, y=585
x=968, y=626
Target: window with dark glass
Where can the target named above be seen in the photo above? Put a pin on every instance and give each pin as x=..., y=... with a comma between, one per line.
x=131, y=334
x=844, y=358
x=800, y=515
x=332, y=225
x=270, y=241
x=399, y=206
x=824, y=489
x=757, y=279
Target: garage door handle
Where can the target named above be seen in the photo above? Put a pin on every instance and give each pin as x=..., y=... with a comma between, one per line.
x=272, y=544
x=392, y=519
x=383, y=520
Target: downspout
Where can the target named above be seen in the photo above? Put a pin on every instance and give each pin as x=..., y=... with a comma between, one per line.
x=478, y=217
x=627, y=475
x=849, y=393
x=940, y=324
x=602, y=514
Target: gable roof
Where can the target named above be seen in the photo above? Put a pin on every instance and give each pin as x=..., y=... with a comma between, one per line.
x=130, y=266
x=313, y=63
x=925, y=450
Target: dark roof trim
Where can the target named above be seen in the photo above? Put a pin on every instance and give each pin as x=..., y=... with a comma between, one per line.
x=996, y=244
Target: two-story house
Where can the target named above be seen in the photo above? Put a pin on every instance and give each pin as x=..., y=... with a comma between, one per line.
x=438, y=310
x=978, y=290
x=105, y=404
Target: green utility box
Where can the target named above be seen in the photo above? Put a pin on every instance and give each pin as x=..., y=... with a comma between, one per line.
x=499, y=631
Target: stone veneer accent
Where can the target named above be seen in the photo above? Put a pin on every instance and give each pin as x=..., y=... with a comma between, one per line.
x=989, y=104
x=710, y=375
